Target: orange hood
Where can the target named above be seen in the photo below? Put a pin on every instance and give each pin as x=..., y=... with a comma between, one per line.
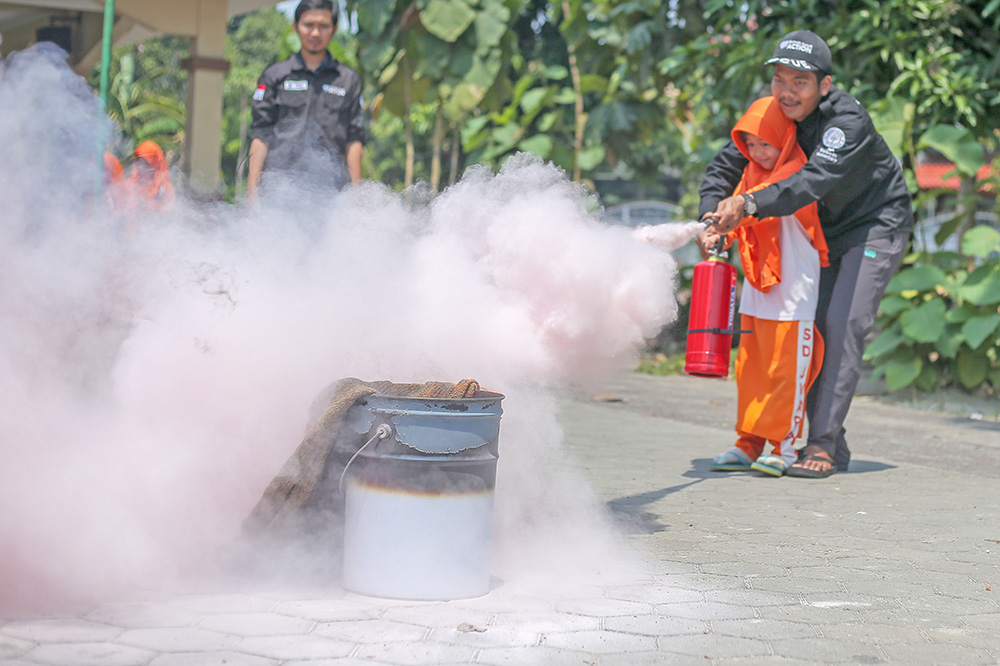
x=759, y=244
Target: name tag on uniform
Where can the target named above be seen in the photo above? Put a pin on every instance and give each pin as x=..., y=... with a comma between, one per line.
x=296, y=85
x=334, y=90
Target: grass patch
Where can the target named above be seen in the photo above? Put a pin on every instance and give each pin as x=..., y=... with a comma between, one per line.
x=658, y=363
x=661, y=364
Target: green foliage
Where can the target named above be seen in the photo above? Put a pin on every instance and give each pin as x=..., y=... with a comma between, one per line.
x=957, y=144
x=385, y=153
x=501, y=71
x=981, y=242
x=662, y=83
x=659, y=84
x=919, y=65
x=939, y=319
x=146, y=94
x=449, y=54
x=446, y=19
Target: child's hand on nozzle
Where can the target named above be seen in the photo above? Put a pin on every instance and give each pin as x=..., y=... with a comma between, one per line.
x=707, y=240
x=704, y=239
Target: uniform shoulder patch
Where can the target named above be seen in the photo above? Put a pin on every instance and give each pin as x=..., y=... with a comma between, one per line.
x=258, y=94
x=834, y=138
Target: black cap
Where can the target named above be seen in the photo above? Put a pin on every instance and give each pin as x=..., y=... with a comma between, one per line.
x=803, y=50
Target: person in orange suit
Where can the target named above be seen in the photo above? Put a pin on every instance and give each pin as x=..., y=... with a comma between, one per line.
x=114, y=179
x=150, y=179
x=113, y=171
x=781, y=355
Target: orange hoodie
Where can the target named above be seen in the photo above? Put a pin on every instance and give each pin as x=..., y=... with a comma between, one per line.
x=113, y=172
x=758, y=239
x=158, y=191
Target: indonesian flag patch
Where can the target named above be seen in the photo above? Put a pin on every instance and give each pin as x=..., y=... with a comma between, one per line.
x=258, y=94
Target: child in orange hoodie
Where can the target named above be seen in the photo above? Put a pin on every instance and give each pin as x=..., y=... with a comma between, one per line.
x=779, y=359
x=151, y=176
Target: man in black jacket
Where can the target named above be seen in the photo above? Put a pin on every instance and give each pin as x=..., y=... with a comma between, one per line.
x=866, y=214
x=307, y=109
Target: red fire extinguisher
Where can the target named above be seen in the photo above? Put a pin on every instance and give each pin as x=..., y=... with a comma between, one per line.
x=710, y=321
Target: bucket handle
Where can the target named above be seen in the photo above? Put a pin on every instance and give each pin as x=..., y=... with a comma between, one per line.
x=384, y=431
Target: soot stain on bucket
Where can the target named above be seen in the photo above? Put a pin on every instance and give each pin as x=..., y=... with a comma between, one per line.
x=419, y=503
x=454, y=407
x=428, y=480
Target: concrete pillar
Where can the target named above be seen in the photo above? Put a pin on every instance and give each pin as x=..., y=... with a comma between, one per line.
x=206, y=70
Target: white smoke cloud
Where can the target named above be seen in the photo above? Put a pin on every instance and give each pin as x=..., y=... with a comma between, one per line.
x=155, y=381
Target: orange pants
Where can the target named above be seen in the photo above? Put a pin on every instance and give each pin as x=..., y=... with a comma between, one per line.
x=775, y=366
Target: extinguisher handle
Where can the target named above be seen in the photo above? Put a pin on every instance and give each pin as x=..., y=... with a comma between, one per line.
x=720, y=248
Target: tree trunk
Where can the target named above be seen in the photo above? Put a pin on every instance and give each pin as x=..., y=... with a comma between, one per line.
x=436, y=142
x=574, y=70
x=241, y=155
x=456, y=146
x=965, y=208
x=408, y=177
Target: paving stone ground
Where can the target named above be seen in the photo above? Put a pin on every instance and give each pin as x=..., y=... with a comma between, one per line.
x=896, y=561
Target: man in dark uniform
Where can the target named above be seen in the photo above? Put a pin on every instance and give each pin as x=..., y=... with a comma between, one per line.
x=866, y=213
x=307, y=110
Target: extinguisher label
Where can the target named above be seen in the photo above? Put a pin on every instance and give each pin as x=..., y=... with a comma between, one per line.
x=732, y=305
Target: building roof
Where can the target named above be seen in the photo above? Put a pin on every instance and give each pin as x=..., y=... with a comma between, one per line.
x=933, y=175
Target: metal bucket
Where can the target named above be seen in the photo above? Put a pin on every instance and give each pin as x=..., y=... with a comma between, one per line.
x=419, y=497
